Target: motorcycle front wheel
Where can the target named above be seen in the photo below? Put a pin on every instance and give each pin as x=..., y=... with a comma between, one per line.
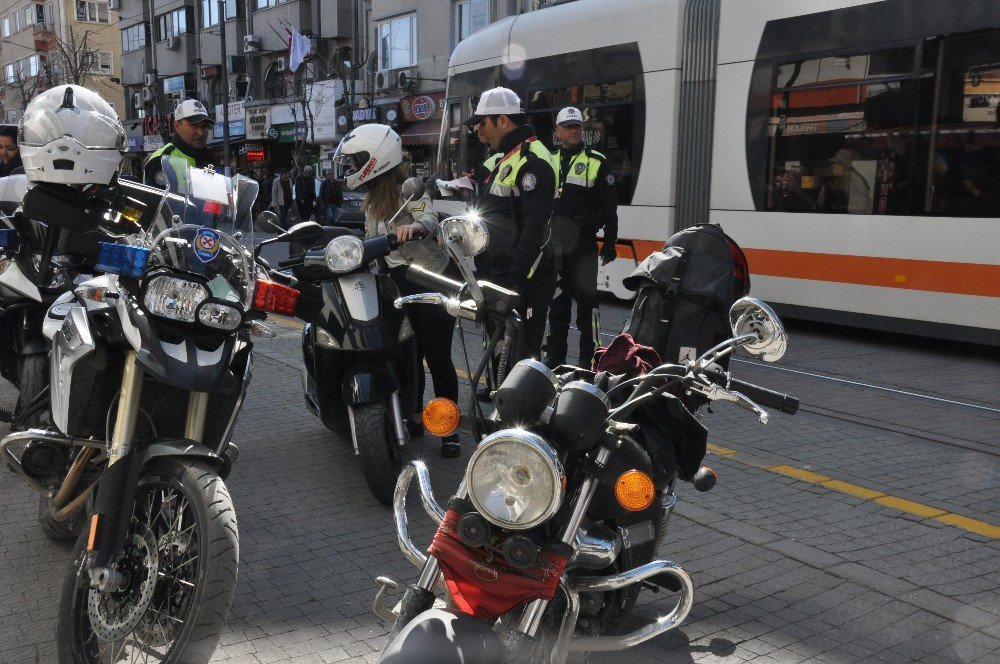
x=381, y=457
x=180, y=561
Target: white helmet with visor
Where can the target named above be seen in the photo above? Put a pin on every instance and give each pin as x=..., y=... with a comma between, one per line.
x=367, y=152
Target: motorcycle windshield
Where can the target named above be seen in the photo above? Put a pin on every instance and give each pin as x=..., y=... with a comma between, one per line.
x=205, y=227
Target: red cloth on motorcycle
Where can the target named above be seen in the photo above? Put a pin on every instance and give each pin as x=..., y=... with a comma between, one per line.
x=488, y=588
x=624, y=355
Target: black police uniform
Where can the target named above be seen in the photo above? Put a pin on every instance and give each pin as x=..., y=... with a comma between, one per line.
x=587, y=203
x=519, y=192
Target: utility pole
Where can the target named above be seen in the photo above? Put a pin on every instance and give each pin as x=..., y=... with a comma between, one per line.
x=225, y=89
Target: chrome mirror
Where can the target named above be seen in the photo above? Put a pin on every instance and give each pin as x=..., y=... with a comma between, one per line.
x=267, y=222
x=468, y=233
x=413, y=188
x=748, y=315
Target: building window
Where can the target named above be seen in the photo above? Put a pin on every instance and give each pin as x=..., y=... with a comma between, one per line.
x=6, y=26
x=33, y=65
x=102, y=62
x=173, y=23
x=8, y=72
x=275, y=83
x=264, y=4
x=29, y=15
x=135, y=37
x=397, y=42
x=91, y=11
x=210, y=12
x=471, y=16
x=15, y=22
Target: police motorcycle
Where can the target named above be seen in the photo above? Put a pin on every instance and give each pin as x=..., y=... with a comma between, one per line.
x=150, y=364
x=359, y=350
x=553, y=532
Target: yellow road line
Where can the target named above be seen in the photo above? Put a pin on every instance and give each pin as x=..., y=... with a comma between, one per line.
x=903, y=505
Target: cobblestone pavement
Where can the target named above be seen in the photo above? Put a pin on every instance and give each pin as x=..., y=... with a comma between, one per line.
x=866, y=528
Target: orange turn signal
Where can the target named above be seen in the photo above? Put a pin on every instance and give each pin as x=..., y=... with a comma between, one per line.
x=441, y=416
x=634, y=490
x=92, y=537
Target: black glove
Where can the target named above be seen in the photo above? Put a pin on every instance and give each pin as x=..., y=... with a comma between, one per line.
x=608, y=252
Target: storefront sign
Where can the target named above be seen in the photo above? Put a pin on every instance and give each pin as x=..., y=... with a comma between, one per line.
x=365, y=115
x=288, y=132
x=389, y=110
x=151, y=143
x=423, y=107
x=237, y=127
x=257, y=120
x=173, y=84
x=326, y=99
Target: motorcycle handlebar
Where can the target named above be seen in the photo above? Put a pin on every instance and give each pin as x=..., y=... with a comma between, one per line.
x=434, y=281
x=289, y=262
x=760, y=395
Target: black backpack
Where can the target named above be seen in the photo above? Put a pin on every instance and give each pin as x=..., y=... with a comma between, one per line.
x=685, y=291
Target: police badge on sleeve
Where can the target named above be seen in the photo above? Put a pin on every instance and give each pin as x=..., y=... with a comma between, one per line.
x=528, y=182
x=206, y=244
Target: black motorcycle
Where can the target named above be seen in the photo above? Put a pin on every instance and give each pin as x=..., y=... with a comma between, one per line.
x=359, y=350
x=151, y=360
x=554, y=530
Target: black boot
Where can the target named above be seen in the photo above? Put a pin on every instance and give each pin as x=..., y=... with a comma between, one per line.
x=450, y=447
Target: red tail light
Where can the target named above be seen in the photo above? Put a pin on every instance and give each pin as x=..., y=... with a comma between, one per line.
x=213, y=208
x=272, y=296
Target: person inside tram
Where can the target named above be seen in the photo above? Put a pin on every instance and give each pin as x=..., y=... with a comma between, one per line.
x=846, y=190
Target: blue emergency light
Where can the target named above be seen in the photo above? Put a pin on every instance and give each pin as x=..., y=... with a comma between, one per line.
x=9, y=239
x=127, y=260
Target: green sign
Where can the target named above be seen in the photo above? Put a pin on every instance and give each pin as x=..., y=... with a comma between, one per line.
x=287, y=132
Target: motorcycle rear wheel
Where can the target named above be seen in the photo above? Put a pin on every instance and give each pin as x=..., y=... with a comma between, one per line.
x=381, y=457
x=184, y=510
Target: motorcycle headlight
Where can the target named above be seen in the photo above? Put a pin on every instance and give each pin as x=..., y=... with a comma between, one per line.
x=174, y=298
x=221, y=316
x=344, y=253
x=515, y=479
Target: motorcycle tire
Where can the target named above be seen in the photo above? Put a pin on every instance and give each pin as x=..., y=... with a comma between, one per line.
x=183, y=510
x=381, y=457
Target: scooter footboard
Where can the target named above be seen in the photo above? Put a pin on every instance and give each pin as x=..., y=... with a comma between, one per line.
x=627, y=578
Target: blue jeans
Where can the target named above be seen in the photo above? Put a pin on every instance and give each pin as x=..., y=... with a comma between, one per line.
x=283, y=209
x=331, y=213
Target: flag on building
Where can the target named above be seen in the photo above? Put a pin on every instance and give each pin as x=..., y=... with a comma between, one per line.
x=300, y=47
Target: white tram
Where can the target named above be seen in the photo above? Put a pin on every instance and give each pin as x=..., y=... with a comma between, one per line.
x=851, y=147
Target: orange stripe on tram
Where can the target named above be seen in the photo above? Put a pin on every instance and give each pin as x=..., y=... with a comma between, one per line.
x=921, y=275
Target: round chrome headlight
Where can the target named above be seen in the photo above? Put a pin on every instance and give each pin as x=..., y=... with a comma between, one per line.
x=344, y=253
x=514, y=479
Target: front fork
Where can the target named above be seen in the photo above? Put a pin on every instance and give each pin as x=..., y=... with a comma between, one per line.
x=115, y=496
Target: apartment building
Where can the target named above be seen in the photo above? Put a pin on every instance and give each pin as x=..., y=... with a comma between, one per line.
x=54, y=42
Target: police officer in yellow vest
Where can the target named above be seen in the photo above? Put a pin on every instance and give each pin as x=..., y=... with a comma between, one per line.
x=517, y=206
x=586, y=203
x=191, y=127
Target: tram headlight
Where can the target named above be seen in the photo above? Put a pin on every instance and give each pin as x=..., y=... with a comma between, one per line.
x=515, y=479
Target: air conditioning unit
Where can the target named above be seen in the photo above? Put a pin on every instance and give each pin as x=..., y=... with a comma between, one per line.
x=173, y=43
x=251, y=43
x=279, y=65
x=406, y=79
x=137, y=101
x=150, y=80
x=147, y=94
x=383, y=80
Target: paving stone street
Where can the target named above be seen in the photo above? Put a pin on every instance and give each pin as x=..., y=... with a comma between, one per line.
x=864, y=529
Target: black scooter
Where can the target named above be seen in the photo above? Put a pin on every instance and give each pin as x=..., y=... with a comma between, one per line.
x=359, y=350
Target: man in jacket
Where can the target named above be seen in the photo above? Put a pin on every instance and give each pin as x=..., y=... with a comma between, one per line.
x=586, y=203
x=281, y=195
x=330, y=197
x=517, y=206
x=305, y=193
x=191, y=127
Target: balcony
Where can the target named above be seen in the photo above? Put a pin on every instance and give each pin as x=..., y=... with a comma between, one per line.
x=45, y=36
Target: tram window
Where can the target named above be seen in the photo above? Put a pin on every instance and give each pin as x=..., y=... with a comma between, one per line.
x=608, y=125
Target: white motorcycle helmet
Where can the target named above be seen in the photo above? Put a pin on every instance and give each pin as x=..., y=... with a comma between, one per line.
x=367, y=152
x=70, y=135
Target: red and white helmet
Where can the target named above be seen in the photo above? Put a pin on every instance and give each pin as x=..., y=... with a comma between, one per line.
x=367, y=152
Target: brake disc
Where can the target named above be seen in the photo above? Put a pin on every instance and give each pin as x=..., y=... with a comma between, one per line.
x=113, y=614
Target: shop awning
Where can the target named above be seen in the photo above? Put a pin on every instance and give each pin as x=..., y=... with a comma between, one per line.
x=422, y=133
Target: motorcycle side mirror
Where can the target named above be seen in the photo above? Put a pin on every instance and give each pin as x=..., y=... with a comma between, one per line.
x=413, y=188
x=267, y=221
x=307, y=233
x=748, y=315
x=469, y=234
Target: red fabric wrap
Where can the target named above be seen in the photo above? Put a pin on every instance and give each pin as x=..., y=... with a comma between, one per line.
x=488, y=588
x=625, y=356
